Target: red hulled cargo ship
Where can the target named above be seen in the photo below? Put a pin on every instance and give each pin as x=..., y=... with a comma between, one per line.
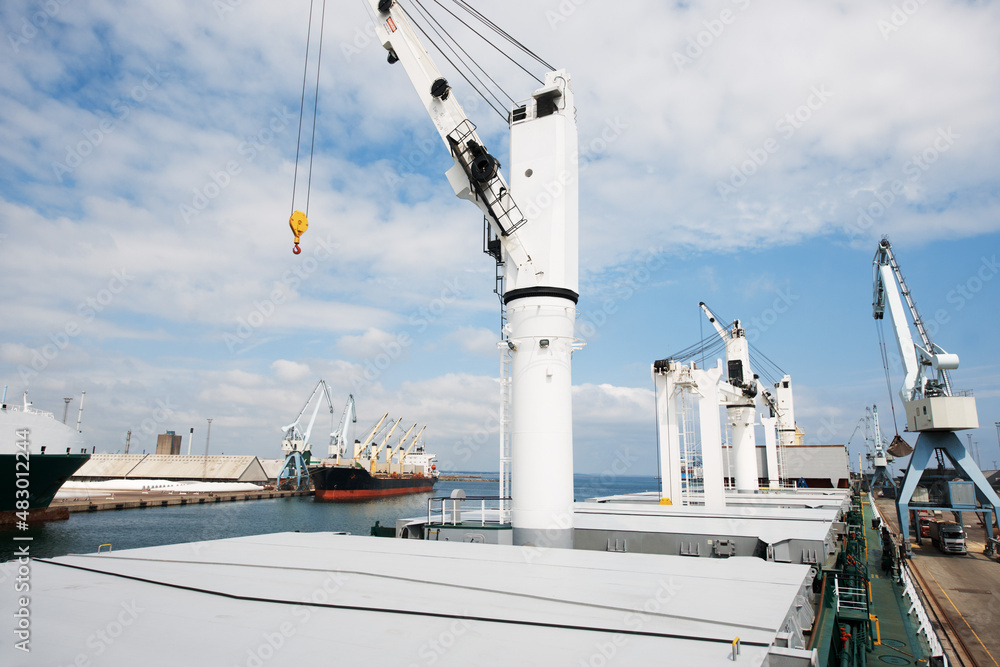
x=352, y=481
x=347, y=483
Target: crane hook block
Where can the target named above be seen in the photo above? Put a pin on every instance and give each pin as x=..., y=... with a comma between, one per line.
x=299, y=224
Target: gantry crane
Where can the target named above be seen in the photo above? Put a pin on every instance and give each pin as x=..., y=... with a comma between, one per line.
x=932, y=409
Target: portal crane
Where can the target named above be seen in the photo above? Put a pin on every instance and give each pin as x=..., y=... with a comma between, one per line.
x=877, y=446
x=932, y=409
x=296, y=444
x=339, y=438
x=926, y=366
x=537, y=248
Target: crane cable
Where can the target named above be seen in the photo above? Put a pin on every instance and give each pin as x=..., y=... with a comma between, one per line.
x=497, y=48
x=440, y=49
x=299, y=221
x=497, y=29
x=466, y=53
x=885, y=365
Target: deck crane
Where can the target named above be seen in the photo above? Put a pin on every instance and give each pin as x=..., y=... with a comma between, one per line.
x=361, y=447
x=399, y=454
x=378, y=450
x=391, y=451
x=339, y=438
x=739, y=402
x=296, y=444
x=781, y=422
x=932, y=409
x=537, y=247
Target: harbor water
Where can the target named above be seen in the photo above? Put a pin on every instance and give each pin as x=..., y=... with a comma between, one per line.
x=130, y=529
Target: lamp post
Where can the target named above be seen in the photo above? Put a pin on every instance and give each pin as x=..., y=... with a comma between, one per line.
x=208, y=434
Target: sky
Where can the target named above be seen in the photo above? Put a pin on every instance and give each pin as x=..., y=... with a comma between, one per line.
x=742, y=153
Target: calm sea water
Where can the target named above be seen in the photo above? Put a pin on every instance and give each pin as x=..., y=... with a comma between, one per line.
x=130, y=529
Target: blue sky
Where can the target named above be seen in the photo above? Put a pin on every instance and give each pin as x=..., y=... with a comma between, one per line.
x=749, y=155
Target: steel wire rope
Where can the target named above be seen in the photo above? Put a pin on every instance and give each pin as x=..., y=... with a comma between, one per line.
x=312, y=143
x=701, y=332
x=450, y=61
x=500, y=31
x=707, y=345
x=885, y=365
x=757, y=351
x=756, y=354
x=471, y=59
x=485, y=39
x=302, y=106
x=468, y=62
x=758, y=358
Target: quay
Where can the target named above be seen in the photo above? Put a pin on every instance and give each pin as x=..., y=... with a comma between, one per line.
x=123, y=500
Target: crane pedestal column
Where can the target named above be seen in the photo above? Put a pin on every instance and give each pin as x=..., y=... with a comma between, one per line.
x=541, y=331
x=744, y=448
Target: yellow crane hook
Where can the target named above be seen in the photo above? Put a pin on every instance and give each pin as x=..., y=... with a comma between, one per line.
x=299, y=224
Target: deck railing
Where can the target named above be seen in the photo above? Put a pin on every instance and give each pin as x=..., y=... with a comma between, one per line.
x=443, y=510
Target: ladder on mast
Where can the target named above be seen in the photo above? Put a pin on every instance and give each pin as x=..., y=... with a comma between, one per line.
x=689, y=451
x=506, y=359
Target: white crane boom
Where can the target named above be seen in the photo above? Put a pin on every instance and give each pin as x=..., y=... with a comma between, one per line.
x=723, y=333
x=475, y=176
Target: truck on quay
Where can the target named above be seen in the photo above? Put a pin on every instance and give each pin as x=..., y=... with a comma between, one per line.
x=948, y=537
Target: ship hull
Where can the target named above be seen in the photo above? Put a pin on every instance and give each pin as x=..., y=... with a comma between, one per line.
x=351, y=484
x=46, y=473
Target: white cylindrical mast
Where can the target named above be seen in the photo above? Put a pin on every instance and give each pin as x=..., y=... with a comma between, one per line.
x=742, y=414
x=541, y=312
x=744, y=444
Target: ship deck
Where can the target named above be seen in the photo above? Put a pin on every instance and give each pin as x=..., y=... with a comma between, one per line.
x=901, y=643
x=299, y=598
x=963, y=592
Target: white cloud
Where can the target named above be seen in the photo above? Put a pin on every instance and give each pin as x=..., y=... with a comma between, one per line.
x=289, y=371
x=476, y=340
